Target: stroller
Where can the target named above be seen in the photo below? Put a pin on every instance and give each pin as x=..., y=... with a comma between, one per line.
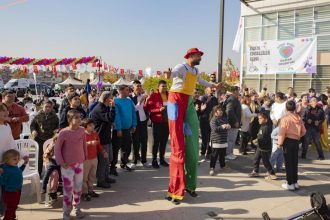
x=319, y=210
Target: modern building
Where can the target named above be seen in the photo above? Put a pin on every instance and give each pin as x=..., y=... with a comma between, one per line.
x=283, y=20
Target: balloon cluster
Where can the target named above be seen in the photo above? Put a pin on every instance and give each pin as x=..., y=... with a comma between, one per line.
x=47, y=61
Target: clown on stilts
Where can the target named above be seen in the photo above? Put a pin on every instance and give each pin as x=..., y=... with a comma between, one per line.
x=183, y=126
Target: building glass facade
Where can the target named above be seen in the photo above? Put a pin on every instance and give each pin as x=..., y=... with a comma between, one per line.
x=283, y=25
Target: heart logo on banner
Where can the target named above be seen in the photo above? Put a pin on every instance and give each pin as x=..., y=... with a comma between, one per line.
x=286, y=51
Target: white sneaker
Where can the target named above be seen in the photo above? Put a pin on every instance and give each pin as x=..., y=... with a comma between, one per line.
x=231, y=157
x=147, y=165
x=296, y=186
x=132, y=166
x=288, y=187
x=212, y=172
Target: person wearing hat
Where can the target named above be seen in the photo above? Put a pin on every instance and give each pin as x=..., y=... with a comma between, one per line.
x=183, y=126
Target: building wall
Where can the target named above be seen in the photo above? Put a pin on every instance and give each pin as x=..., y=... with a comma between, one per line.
x=282, y=20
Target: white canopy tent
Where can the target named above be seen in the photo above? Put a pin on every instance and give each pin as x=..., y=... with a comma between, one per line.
x=104, y=84
x=71, y=81
x=122, y=81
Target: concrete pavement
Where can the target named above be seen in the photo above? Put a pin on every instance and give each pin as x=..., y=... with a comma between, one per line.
x=232, y=195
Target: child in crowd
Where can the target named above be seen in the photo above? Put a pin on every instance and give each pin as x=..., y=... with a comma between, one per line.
x=125, y=124
x=277, y=152
x=90, y=165
x=70, y=154
x=219, y=131
x=264, y=148
x=11, y=180
x=49, y=160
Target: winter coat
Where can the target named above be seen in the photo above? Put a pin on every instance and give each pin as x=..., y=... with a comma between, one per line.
x=45, y=125
x=103, y=117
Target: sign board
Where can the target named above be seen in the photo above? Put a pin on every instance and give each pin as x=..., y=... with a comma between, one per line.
x=287, y=56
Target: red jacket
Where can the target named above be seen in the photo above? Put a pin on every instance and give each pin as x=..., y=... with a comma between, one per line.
x=153, y=105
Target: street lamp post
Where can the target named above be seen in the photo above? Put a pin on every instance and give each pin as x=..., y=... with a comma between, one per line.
x=221, y=34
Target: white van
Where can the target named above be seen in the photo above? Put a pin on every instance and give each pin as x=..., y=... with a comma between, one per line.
x=18, y=84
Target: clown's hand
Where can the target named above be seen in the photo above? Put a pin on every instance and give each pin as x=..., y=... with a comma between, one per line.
x=218, y=86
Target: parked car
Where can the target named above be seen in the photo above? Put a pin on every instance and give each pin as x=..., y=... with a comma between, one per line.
x=42, y=89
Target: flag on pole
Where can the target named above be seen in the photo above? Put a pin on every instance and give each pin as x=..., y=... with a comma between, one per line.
x=239, y=35
x=35, y=69
x=54, y=71
x=105, y=66
x=25, y=70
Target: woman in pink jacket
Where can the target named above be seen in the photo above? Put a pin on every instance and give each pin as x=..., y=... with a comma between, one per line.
x=291, y=130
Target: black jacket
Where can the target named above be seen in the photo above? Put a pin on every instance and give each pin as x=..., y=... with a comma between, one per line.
x=314, y=114
x=218, y=133
x=210, y=103
x=199, y=103
x=103, y=117
x=233, y=110
x=64, y=119
x=264, y=137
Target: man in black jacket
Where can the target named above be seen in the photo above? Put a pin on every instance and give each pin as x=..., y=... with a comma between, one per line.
x=233, y=110
x=313, y=117
x=208, y=102
x=103, y=118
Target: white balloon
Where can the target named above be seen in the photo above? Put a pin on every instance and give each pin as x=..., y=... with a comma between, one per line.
x=149, y=71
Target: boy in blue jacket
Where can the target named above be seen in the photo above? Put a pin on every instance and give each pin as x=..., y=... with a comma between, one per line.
x=11, y=180
x=125, y=124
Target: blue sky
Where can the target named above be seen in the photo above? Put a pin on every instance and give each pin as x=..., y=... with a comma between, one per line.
x=131, y=34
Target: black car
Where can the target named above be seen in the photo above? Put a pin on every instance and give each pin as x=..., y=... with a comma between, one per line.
x=42, y=89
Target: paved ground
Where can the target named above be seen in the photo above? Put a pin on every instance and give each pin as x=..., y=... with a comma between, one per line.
x=140, y=195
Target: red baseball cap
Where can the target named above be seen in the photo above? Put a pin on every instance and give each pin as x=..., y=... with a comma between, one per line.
x=192, y=51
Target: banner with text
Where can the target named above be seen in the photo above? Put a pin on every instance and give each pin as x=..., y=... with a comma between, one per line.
x=287, y=56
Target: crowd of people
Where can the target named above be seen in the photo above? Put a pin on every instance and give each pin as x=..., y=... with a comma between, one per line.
x=80, y=140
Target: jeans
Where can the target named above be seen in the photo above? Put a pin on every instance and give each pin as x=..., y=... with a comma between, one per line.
x=205, y=133
x=218, y=153
x=40, y=154
x=231, y=139
x=160, y=133
x=52, y=166
x=290, y=150
x=314, y=135
x=277, y=159
x=140, y=139
x=265, y=156
x=124, y=144
x=103, y=170
x=245, y=136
